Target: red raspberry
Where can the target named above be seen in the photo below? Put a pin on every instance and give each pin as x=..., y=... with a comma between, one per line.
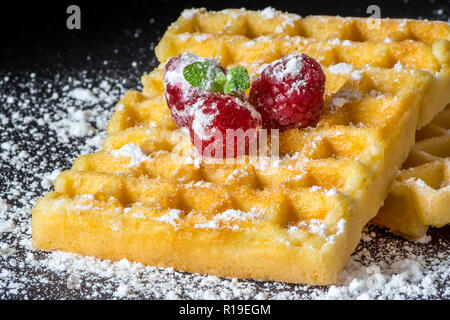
x=213, y=115
x=289, y=92
x=179, y=93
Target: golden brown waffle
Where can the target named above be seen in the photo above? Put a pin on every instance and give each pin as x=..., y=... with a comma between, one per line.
x=334, y=41
x=253, y=38
x=269, y=21
x=420, y=195
x=297, y=219
x=298, y=222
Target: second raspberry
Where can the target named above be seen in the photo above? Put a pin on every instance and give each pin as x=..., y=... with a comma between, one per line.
x=289, y=92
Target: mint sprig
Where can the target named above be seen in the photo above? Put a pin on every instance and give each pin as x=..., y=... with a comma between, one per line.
x=210, y=77
x=237, y=80
x=204, y=75
x=219, y=81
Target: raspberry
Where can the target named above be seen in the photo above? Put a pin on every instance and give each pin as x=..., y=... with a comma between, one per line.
x=194, y=89
x=289, y=92
x=179, y=93
x=213, y=116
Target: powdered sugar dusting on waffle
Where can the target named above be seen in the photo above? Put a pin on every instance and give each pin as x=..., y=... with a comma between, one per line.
x=318, y=227
x=131, y=151
x=269, y=13
x=225, y=219
x=288, y=19
x=343, y=97
x=172, y=217
x=345, y=68
x=189, y=13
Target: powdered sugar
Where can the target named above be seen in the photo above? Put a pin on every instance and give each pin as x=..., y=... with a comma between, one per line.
x=342, y=67
x=268, y=13
x=345, y=68
x=201, y=120
x=76, y=124
x=236, y=174
x=198, y=37
x=189, y=13
x=172, y=217
x=339, y=42
x=328, y=192
x=6, y=226
x=83, y=95
x=132, y=152
x=424, y=239
x=399, y=67
x=318, y=227
x=342, y=97
x=47, y=181
x=228, y=217
x=289, y=66
x=175, y=76
x=338, y=102
x=391, y=278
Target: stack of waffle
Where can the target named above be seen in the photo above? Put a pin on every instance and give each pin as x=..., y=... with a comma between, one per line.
x=147, y=197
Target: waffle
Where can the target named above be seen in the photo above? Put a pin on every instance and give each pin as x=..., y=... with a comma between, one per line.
x=296, y=218
x=253, y=38
x=420, y=193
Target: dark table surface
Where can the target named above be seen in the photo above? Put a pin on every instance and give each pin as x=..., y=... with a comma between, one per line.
x=39, y=56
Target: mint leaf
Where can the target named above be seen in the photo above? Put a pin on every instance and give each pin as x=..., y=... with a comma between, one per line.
x=219, y=82
x=237, y=80
x=209, y=77
x=205, y=76
x=195, y=73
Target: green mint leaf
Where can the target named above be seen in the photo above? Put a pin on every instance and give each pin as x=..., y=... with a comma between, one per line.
x=237, y=80
x=195, y=73
x=205, y=75
x=219, y=82
x=209, y=77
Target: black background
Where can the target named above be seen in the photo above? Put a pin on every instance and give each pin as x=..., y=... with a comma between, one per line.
x=34, y=33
